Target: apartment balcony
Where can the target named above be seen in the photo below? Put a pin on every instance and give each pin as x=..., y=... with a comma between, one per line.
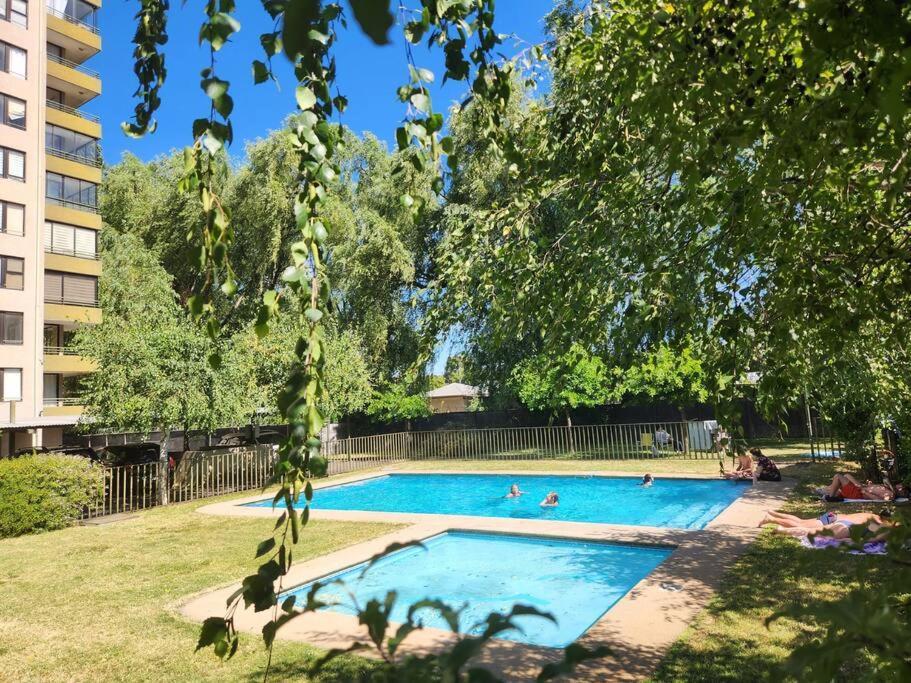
x=79, y=83
x=71, y=312
x=73, y=166
x=63, y=360
x=72, y=262
x=78, y=36
x=74, y=213
x=64, y=405
x=74, y=119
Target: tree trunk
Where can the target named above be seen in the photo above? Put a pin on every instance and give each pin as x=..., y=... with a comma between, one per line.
x=569, y=433
x=163, y=466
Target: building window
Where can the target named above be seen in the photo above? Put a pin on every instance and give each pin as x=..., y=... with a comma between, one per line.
x=12, y=272
x=10, y=327
x=12, y=110
x=15, y=11
x=71, y=145
x=69, y=288
x=78, y=11
x=12, y=218
x=12, y=164
x=66, y=191
x=12, y=59
x=70, y=240
x=11, y=384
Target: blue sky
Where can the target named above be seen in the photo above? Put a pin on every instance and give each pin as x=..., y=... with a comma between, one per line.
x=368, y=75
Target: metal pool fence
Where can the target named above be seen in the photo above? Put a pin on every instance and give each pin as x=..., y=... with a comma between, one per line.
x=199, y=474
x=202, y=474
x=685, y=440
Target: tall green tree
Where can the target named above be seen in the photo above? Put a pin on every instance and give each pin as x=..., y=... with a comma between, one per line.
x=741, y=184
x=152, y=361
x=574, y=379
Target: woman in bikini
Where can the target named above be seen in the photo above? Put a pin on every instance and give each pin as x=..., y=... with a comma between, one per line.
x=839, y=529
x=782, y=519
x=743, y=469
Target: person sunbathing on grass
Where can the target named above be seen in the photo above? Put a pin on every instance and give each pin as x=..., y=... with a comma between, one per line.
x=514, y=492
x=552, y=500
x=846, y=486
x=841, y=528
x=782, y=519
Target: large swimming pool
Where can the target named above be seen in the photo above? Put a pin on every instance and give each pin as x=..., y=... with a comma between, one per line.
x=675, y=503
x=576, y=581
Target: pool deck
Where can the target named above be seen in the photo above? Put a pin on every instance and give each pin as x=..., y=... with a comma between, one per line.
x=639, y=628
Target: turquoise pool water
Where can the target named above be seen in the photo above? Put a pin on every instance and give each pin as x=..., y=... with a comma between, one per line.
x=675, y=503
x=576, y=581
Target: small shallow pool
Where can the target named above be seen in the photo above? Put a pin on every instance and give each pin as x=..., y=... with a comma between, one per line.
x=576, y=581
x=674, y=503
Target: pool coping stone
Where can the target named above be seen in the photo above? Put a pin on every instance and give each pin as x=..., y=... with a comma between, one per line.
x=639, y=628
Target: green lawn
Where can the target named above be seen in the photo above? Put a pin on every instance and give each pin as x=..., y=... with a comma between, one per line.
x=729, y=640
x=92, y=603
x=95, y=603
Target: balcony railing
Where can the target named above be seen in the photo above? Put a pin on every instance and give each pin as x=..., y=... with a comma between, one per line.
x=62, y=401
x=78, y=253
x=79, y=158
x=48, y=299
x=72, y=205
x=73, y=20
x=54, y=104
x=73, y=65
x=60, y=351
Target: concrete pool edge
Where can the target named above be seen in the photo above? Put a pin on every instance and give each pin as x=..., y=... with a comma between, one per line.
x=639, y=628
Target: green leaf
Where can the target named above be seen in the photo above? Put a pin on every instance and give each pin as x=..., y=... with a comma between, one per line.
x=260, y=72
x=421, y=102
x=305, y=97
x=375, y=18
x=214, y=630
x=265, y=547
x=299, y=14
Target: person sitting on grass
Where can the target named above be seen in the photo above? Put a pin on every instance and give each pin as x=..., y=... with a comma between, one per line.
x=744, y=467
x=764, y=469
x=784, y=520
x=846, y=486
x=552, y=500
x=514, y=491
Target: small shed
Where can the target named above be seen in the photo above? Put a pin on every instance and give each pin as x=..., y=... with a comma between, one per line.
x=452, y=398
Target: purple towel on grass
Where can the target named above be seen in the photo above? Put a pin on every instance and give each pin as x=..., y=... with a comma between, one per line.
x=870, y=548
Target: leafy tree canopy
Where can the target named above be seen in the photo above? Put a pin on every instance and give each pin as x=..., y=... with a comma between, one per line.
x=574, y=379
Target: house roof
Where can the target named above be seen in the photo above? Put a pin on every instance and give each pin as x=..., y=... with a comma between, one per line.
x=454, y=389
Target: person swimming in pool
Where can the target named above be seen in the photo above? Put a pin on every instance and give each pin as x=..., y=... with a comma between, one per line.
x=552, y=500
x=647, y=480
x=514, y=492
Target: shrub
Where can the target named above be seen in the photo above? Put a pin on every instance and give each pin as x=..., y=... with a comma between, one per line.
x=319, y=466
x=45, y=492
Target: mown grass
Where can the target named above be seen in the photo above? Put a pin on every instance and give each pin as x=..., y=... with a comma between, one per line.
x=96, y=603
x=730, y=641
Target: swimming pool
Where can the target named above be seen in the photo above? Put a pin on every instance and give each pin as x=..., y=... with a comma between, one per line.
x=674, y=503
x=576, y=581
